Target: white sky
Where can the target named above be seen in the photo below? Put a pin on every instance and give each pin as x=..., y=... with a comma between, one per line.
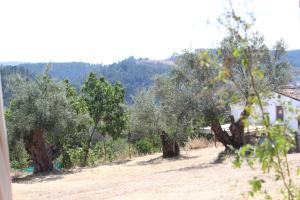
x=104, y=31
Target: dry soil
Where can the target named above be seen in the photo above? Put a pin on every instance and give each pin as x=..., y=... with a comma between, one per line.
x=193, y=176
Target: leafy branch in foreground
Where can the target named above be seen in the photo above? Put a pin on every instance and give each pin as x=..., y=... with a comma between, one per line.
x=271, y=151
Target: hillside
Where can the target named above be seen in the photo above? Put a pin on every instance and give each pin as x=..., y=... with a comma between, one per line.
x=293, y=57
x=193, y=176
x=132, y=73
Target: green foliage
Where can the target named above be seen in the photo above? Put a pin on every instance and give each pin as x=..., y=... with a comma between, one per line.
x=145, y=116
x=105, y=105
x=6, y=74
x=247, y=61
x=203, y=95
x=66, y=117
x=254, y=70
x=272, y=153
x=256, y=185
x=115, y=150
x=76, y=155
x=78, y=104
x=18, y=157
x=39, y=104
x=182, y=101
x=144, y=146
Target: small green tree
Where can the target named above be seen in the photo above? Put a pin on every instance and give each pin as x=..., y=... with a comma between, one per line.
x=104, y=103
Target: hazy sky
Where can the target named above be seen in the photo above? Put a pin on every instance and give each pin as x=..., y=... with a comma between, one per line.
x=103, y=31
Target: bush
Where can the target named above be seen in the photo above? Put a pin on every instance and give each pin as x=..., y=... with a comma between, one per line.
x=19, y=158
x=156, y=142
x=65, y=160
x=115, y=149
x=144, y=146
x=76, y=155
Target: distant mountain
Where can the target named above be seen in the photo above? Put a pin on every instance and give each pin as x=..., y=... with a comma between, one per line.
x=293, y=57
x=76, y=72
x=132, y=73
x=10, y=63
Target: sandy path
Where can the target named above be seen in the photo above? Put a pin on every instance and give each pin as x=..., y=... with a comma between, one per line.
x=148, y=177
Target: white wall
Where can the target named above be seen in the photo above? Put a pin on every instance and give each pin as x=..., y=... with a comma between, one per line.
x=290, y=115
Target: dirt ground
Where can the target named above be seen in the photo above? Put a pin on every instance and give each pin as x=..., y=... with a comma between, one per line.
x=193, y=176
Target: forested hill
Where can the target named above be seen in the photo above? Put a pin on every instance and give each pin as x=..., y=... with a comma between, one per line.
x=294, y=58
x=132, y=73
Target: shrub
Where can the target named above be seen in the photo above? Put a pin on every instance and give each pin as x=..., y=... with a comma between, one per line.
x=117, y=149
x=144, y=146
x=18, y=156
x=114, y=150
x=76, y=155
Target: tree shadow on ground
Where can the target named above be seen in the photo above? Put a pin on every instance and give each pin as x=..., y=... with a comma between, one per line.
x=56, y=174
x=160, y=159
x=118, y=162
x=223, y=155
x=193, y=167
x=41, y=177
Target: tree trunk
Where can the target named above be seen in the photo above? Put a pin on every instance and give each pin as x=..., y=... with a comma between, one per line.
x=170, y=147
x=88, y=146
x=220, y=134
x=237, y=132
x=36, y=148
x=104, y=146
x=237, y=137
x=129, y=149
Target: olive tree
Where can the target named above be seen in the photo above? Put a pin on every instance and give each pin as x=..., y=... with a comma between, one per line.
x=39, y=113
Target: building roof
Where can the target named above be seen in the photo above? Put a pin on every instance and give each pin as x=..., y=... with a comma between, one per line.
x=293, y=93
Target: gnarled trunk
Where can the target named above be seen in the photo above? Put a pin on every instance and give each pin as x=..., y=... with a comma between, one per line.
x=237, y=137
x=237, y=131
x=36, y=148
x=220, y=134
x=170, y=147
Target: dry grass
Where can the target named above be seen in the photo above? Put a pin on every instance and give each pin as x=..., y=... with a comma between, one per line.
x=199, y=143
x=193, y=176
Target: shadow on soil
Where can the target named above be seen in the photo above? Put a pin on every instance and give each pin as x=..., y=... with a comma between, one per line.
x=55, y=175
x=41, y=177
x=193, y=167
x=223, y=155
x=160, y=159
x=118, y=162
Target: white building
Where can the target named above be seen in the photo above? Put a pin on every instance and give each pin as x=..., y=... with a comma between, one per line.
x=283, y=105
